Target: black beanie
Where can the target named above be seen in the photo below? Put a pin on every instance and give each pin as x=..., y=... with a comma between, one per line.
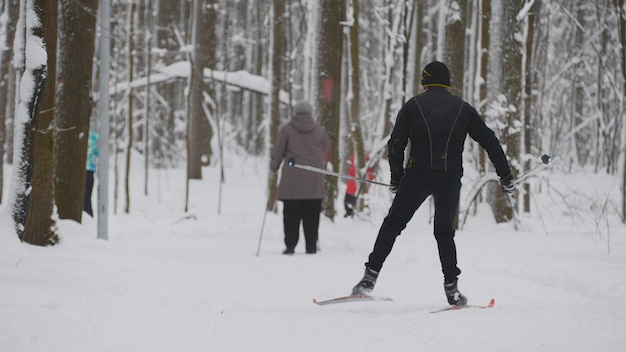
x=436, y=74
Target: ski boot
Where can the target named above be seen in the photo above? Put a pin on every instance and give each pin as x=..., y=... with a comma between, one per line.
x=366, y=285
x=455, y=298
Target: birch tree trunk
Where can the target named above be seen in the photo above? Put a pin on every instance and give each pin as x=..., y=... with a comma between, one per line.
x=392, y=38
x=10, y=11
x=504, y=93
x=529, y=83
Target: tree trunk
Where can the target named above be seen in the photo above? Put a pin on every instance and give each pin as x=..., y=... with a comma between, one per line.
x=484, y=68
x=276, y=58
x=621, y=9
x=196, y=79
x=455, y=53
x=204, y=42
x=147, y=140
x=130, y=118
x=164, y=142
x=391, y=44
x=529, y=83
x=7, y=86
x=255, y=111
x=416, y=46
x=77, y=30
x=455, y=44
x=505, y=56
x=329, y=56
x=11, y=11
x=579, y=97
x=33, y=211
x=167, y=14
x=354, y=103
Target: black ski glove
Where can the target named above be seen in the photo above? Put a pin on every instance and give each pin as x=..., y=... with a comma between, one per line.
x=508, y=184
x=396, y=176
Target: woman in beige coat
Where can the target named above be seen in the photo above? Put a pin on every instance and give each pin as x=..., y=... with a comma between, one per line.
x=301, y=191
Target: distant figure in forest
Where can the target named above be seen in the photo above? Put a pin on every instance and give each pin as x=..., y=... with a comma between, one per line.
x=352, y=188
x=437, y=124
x=301, y=191
x=92, y=155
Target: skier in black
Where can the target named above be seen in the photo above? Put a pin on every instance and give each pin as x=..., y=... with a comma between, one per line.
x=436, y=123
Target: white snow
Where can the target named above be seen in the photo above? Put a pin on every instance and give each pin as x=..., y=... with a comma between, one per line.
x=173, y=281
x=235, y=79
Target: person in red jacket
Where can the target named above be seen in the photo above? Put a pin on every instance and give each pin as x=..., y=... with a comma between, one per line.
x=349, y=200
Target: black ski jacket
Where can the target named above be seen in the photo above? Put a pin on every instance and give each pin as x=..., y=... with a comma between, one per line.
x=437, y=123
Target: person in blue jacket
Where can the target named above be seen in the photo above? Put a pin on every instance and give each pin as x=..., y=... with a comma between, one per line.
x=92, y=155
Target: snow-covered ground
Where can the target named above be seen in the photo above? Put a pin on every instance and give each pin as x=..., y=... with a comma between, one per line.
x=173, y=281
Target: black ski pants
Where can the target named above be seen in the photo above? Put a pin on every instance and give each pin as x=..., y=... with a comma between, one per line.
x=415, y=187
x=307, y=212
x=349, y=204
x=89, y=180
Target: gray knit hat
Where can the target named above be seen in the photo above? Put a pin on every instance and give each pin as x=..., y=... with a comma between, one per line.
x=303, y=107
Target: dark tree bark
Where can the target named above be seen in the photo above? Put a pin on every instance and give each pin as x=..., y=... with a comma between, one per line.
x=354, y=107
x=33, y=209
x=77, y=31
x=276, y=61
x=204, y=42
x=130, y=118
x=328, y=95
x=455, y=46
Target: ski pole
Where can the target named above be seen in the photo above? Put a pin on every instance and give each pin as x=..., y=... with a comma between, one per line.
x=292, y=163
x=258, y=248
x=545, y=159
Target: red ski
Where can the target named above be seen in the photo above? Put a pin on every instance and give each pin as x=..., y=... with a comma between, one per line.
x=490, y=305
x=351, y=298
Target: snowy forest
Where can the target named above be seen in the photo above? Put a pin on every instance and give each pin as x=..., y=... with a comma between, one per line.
x=190, y=83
